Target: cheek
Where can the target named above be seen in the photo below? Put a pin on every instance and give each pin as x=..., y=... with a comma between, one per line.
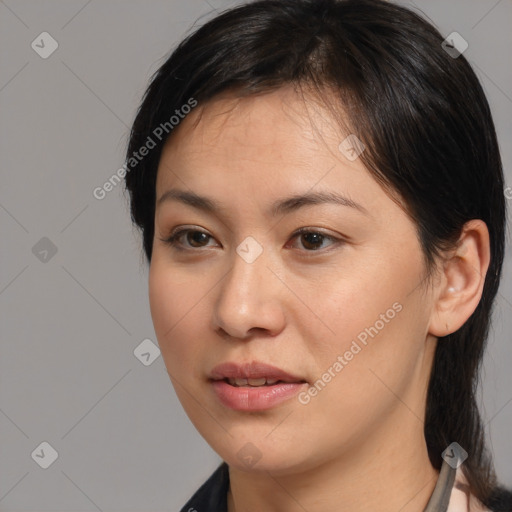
x=161, y=300
x=376, y=318
x=172, y=305
x=363, y=369
x=354, y=302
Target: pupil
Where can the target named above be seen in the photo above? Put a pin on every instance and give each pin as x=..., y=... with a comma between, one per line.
x=194, y=235
x=314, y=239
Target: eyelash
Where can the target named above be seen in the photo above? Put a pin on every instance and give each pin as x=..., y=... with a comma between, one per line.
x=173, y=239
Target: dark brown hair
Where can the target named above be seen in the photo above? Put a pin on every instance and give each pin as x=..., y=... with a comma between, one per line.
x=429, y=137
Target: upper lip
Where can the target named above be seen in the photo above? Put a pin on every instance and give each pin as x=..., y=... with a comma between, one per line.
x=253, y=370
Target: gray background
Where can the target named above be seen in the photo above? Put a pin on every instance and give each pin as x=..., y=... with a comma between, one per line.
x=70, y=322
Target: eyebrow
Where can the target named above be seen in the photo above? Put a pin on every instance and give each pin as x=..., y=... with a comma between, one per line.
x=279, y=207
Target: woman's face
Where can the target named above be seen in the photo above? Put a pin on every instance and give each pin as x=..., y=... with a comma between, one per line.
x=340, y=312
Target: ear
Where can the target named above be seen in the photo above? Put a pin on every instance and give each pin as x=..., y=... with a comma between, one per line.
x=460, y=286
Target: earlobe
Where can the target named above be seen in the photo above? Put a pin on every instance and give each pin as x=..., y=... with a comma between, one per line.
x=463, y=276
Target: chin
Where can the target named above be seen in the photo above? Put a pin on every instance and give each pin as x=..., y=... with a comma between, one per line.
x=259, y=454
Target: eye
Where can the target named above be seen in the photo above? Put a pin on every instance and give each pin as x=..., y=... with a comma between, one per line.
x=312, y=239
x=194, y=237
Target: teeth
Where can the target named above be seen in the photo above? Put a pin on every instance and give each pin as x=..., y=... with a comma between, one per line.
x=262, y=381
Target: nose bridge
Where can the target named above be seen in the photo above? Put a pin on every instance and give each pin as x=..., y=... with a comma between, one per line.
x=247, y=296
x=249, y=274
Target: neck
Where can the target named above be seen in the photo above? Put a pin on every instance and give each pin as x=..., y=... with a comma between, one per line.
x=375, y=475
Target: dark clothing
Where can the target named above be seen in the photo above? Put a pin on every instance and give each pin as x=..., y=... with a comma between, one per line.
x=212, y=495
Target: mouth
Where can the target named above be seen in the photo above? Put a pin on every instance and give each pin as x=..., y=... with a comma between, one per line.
x=253, y=373
x=253, y=386
x=254, y=383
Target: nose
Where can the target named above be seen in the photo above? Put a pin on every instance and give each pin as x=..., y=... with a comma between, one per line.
x=250, y=300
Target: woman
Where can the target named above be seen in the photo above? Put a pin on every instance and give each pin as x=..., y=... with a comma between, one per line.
x=321, y=204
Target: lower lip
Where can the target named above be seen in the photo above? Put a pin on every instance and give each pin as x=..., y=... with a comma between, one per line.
x=245, y=398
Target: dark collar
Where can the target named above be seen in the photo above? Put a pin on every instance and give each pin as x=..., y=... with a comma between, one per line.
x=212, y=496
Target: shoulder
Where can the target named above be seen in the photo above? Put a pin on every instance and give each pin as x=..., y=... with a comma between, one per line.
x=212, y=495
x=461, y=500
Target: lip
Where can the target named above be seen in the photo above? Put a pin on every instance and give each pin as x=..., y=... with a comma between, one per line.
x=246, y=398
x=253, y=370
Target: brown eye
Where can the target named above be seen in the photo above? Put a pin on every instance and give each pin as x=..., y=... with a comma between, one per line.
x=195, y=239
x=312, y=240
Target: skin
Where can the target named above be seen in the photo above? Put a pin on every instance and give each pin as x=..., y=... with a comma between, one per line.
x=358, y=444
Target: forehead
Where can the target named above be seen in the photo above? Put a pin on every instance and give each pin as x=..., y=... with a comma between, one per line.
x=282, y=129
x=247, y=155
